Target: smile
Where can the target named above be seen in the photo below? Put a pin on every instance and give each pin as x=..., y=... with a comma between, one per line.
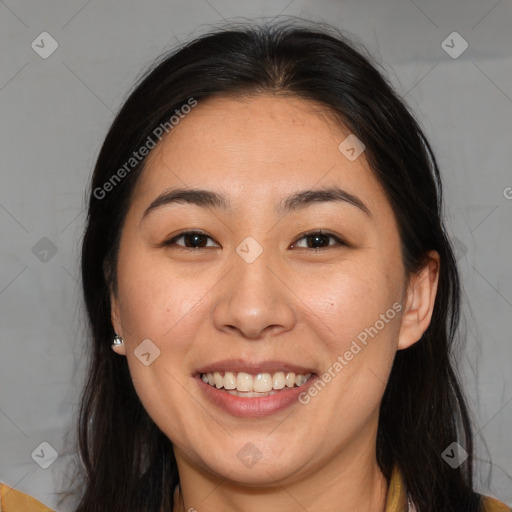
x=244, y=384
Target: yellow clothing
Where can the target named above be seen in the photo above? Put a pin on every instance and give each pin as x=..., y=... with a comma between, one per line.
x=12, y=500
x=397, y=497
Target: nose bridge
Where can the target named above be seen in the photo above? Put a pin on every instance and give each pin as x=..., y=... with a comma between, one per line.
x=252, y=264
x=253, y=284
x=253, y=299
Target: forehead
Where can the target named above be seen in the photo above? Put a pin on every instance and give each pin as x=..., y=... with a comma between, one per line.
x=258, y=144
x=255, y=123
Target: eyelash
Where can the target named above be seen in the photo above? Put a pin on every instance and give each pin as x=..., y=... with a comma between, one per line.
x=339, y=241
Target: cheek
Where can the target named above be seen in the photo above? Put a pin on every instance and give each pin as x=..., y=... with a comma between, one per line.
x=357, y=311
x=154, y=299
x=350, y=298
x=157, y=305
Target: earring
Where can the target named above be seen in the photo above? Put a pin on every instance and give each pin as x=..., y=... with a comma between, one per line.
x=117, y=340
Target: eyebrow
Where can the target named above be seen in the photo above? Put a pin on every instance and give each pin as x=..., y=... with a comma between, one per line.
x=301, y=199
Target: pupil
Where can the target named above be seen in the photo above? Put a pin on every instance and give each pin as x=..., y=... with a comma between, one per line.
x=197, y=238
x=319, y=238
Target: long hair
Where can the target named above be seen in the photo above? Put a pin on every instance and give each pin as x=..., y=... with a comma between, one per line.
x=128, y=463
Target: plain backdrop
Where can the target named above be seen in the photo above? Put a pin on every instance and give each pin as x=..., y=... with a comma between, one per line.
x=56, y=110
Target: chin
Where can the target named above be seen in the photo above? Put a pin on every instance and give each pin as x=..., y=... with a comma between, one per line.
x=255, y=464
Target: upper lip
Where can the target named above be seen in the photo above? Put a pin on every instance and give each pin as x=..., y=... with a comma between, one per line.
x=239, y=365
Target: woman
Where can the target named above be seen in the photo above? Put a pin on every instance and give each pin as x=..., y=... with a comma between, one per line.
x=271, y=291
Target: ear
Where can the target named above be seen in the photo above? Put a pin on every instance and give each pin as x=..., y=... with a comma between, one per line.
x=116, y=323
x=419, y=303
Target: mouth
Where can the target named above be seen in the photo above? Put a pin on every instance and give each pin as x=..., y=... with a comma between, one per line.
x=243, y=384
x=247, y=390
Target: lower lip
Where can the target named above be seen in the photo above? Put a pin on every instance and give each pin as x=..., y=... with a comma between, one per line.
x=254, y=407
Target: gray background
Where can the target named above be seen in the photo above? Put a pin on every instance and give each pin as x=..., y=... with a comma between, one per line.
x=56, y=111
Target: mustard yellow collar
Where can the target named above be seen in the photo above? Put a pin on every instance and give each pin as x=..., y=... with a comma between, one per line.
x=397, y=493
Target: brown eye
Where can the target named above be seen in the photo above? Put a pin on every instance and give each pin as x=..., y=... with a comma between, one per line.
x=191, y=239
x=319, y=240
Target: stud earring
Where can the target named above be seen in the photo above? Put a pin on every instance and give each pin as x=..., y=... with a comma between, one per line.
x=117, y=341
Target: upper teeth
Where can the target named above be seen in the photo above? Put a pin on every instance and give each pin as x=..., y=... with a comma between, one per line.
x=261, y=383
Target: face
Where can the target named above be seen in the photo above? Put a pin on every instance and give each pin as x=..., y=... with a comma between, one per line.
x=274, y=324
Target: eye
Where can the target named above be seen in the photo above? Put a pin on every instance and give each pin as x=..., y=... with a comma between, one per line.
x=319, y=240
x=192, y=239
x=199, y=240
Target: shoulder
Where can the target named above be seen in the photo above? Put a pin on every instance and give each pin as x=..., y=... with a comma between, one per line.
x=12, y=500
x=493, y=505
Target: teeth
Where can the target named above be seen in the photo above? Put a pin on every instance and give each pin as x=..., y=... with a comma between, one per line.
x=290, y=379
x=263, y=383
x=254, y=385
x=250, y=394
x=219, y=381
x=229, y=380
x=244, y=381
x=278, y=381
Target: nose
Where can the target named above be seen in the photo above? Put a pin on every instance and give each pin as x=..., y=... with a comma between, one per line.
x=254, y=301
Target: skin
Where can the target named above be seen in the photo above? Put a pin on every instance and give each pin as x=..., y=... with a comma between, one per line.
x=293, y=303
